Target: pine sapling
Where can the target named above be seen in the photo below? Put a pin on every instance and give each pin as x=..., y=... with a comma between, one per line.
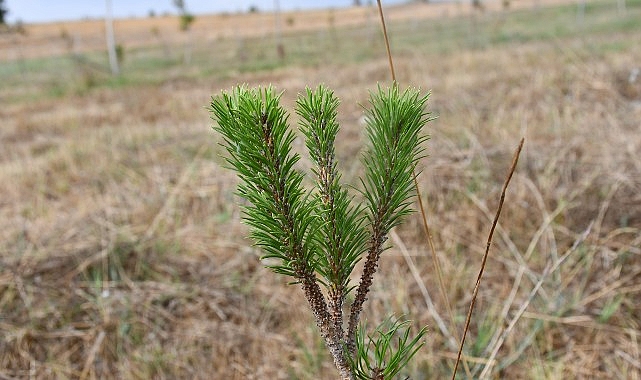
x=316, y=237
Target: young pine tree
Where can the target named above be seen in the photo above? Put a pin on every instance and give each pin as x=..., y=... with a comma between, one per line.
x=316, y=237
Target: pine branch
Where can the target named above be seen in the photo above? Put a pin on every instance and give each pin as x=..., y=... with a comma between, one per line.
x=341, y=233
x=394, y=124
x=258, y=140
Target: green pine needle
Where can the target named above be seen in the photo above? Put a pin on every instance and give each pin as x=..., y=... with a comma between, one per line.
x=387, y=351
x=259, y=142
x=342, y=234
x=394, y=124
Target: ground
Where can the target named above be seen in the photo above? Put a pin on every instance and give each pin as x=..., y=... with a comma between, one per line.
x=123, y=255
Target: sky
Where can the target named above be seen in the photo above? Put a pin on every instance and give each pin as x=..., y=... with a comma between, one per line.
x=30, y=11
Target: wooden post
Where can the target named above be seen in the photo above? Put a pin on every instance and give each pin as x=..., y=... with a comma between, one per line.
x=280, y=49
x=111, y=41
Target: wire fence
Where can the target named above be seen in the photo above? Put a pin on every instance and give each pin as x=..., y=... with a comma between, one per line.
x=220, y=47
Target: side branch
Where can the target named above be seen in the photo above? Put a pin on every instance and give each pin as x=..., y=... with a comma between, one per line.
x=369, y=269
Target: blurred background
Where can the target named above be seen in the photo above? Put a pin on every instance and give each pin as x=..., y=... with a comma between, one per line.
x=122, y=252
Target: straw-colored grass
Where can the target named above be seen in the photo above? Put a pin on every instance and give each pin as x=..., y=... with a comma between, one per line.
x=122, y=254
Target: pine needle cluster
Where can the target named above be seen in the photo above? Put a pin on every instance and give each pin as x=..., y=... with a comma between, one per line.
x=316, y=237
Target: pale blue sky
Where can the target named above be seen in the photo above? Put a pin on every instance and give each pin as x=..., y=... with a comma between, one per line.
x=41, y=10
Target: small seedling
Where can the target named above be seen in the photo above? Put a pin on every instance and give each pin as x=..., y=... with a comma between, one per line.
x=316, y=237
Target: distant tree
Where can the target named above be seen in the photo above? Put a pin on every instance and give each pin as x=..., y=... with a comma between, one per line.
x=478, y=5
x=19, y=28
x=3, y=13
x=357, y=3
x=186, y=18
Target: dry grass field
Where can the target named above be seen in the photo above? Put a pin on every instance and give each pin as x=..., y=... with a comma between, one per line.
x=122, y=255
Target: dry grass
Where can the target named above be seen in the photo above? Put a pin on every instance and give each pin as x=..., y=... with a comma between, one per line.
x=45, y=39
x=122, y=255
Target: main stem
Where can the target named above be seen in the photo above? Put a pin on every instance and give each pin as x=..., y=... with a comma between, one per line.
x=333, y=340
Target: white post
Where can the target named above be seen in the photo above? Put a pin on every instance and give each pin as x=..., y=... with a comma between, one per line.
x=111, y=41
x=621, y=7
x=280, y=49
x=580, y=16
